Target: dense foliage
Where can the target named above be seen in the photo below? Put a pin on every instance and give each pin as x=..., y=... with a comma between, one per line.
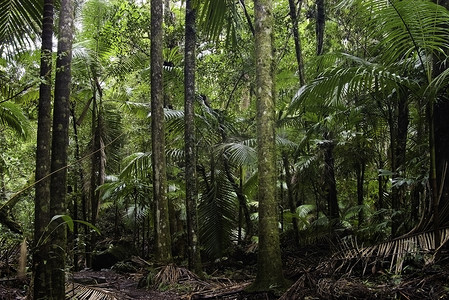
x=359, y=115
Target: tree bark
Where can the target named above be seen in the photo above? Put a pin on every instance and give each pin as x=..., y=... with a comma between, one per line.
x=58, y=185
x=330, y=182
x=399, y=146
x=162, y=224
x=269, y=272
x=43, y=159
x=291, y=198
x=78, y=188
x=320, y=24
x=439, y=143
x=297, y=40
x=360, y=180
x=190, y=150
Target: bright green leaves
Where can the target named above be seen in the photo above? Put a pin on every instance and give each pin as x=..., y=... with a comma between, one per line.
x=20, y=22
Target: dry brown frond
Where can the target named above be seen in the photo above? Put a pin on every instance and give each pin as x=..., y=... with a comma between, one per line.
x=77, y=291
x=395, y=251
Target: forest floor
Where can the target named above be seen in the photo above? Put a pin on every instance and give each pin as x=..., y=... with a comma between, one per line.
x=311, y=272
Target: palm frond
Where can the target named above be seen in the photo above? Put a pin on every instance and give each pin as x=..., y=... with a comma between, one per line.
x=11, y=116
x=76, y=291
x=409, y=28
x=339, y=83
x=137, y=165
x=395, y=251
x=20, y=23
x=175, y=154
x=138, y=109
x=217, y=212
x=239, y=153
x=217, y=15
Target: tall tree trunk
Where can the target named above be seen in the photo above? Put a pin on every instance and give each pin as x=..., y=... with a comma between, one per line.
x=297, y=39
x=43, y=159
x=78, y=188
x=329, y=169
x=58, y=185
x=98, y=160
x=269, y=265
x=399, y=144
x=319, y=28
x=162, y=224
x=439, y=143
x=190, y=150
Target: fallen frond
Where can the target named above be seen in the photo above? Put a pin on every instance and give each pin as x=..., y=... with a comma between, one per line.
x=77, y=291
x=395, y=251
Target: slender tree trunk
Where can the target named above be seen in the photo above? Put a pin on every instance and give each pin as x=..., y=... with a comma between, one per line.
x=190, y=151
x=297, y=39
x=399, y=147
x=439, y=144
x=98, y=160
x=291, y=198
x=360, y=181
x=43, y=160
x=162, y=224
x=330, y=182
x=320, y=24
x=247, y=16
x=79, y=185
x=269, y=265
x=241, y=198
x=329, y=170
x=58, y=185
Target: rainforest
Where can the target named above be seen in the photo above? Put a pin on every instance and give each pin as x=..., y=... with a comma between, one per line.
x=224, y=149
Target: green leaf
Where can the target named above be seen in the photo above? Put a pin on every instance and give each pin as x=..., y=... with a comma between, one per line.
x=89, y=225
x=66, y=219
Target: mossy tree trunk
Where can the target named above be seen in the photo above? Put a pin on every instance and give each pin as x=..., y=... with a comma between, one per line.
x=60, y=141
x=43, y=158
x=161, y=218
x=269, y=273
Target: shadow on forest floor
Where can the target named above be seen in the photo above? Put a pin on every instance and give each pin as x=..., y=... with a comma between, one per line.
x=310, y=271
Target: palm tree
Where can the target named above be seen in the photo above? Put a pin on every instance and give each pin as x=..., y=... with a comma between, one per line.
x=43, y=157
x=59, y=155
x=163, y=237
x=190, y=149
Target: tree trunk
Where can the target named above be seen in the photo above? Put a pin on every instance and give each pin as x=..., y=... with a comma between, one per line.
x=58, y=185
x=79, y=187
x=399, y=145
x=243, y=207
x=291, y=198
x=439, y=143
x=330, y=182
x=360, y=180
x=320, y=23
x=43, y=160
x=162, y=224
x=297, y=39
x=190, y=151
x=269, y=265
